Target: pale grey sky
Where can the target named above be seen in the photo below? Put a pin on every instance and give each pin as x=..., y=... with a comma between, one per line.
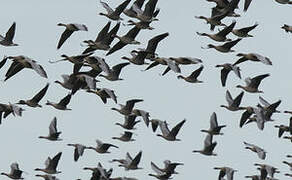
x=166, y=98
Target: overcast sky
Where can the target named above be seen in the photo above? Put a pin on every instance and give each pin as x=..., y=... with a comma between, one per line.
x=166, y=98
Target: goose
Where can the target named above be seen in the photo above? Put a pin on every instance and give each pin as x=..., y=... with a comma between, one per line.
x=131, y=12
x=174, y=66
x=34, y=102
x=155, y=123
x=209, y=146
x=138, y=57
x=104, y=94
x=229, y=172
x=148, y=15
x=268, y=107
x=282, y=128
x=171, y=65
x=252, y=84
x=51, y=165
x=8, y=109
x=144, y=114
x=102, y=147
x=103, y=39
x=287, y=174
x=287, y=28
x=78, y=150
x=221, y=35
x=127, y=109
x=269, y=169
x=99, y=172
x=226, y=68
x=260, y=152
x=8, y=39
x=126, y=137
x=66, y=83
x=112, y=73
x=186, y=60
x=95, y=172
x=288, y=137
x=192, y=78
x=53, y=132
x=130, y=163
x=284, y=1
x=170, y=135
x=82, y=81
x=47, y=176
x=245, y=115
x=140, y=24
x=289, y=164
x=169, y=167
x=260, y=117
x=233, y=104
x=114, y=14
x=162, y=175
x=70, y=28
x=15, y=172
x=62, y=104
x=253, y=57
x=214, y=20
x=243, y=32
x=78, y=60
x=129, y=122
x=214, y=127
x=224, y=48
x=129, y=38
x=246, y=5
x=21, y=62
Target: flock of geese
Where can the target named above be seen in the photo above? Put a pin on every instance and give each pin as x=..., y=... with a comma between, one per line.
x=139, y=18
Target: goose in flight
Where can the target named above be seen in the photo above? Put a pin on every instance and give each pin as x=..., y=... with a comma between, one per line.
x=269, y=108
x=253, y=57
x=15, y=172
x=78, y=150
x=209, y=146
x=214, y=127
x=287, y=28
x=129, y=122
x=144, y=114
x=126, y=137
x=193, y=77
x=21, y=62
x=252, y=84
x=104, y=94
x=159, y=173
x=149, y=13
x=170, y=135
x=127, y=109
x=47, y=176
x=114, y=14
x=8, y=39
x=243, y=32
x=169, y=167
x=53, y=132
x=233, y=104
x=283, y=128
x=102, y=147
x=34, y=102
x=70, y=28
x=62, y=104
x=131, y=12
x=131, y=163
x=226, y=68
x=246, y=115
x=112, y=74
x=214, y=20
x=224, y=48
x=260, y=152
x=270, y=170
x=51, y=165
x=229, y=172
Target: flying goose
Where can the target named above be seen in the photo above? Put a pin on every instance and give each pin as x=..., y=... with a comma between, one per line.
x=114, y=14
x=15, y=172
x=34, y=102
x=104, y=94
x=144, y=114
x=186, y=60
x=130, y=163
x=127, y=109
x=252, y=84
x=162, y=175
x=21, y=62
x=170, y=135
x=81, y=80
x=148, y=15
x=246, y=115
x=47, y=176
x=229, y=172
x=226, y=68
x=126, y=137
x=129, y=38
x=78, y=150
x=260, y=152
x=138, y=57
x=70, y=28
x=260, y=117
x=192, y=78
x=269, y=169
x=112, y=74
x=131, y=12
x=282, y=128
x=51, y=165
x=214, y=127
x=224, y=48
x=253, y=57
x=8, y=109
x=287, y=28
x=171, y=65
x=103, y=39
x=129, y=122
x=221, y=35
x=233, y=104
x=102, y=147
x=155, y=123
x=243, y=32
x=66, y=83
x=269, y=108
x=8, y=39
x=53, y=132
x=169, y=168
x=214, y=20
x=209, y=146
x=62, y=104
